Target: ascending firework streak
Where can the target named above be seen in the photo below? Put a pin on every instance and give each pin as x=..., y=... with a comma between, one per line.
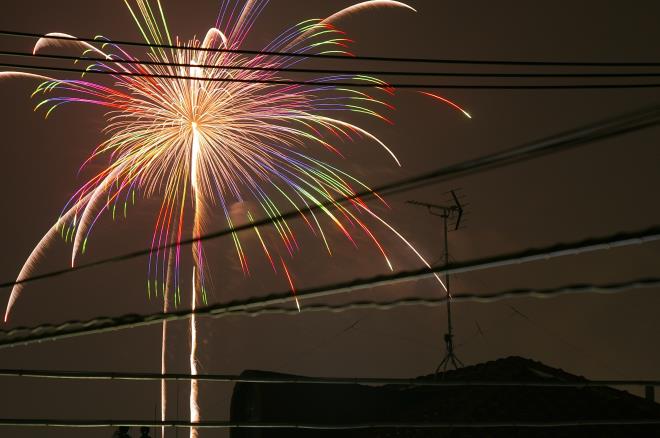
x=217, y=141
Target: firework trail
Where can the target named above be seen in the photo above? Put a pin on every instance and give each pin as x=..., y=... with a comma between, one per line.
x=202, y=141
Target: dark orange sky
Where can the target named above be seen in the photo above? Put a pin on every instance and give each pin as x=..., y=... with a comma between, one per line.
x=594, y=190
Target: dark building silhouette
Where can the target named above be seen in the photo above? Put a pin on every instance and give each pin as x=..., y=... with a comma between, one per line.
x=336, y=404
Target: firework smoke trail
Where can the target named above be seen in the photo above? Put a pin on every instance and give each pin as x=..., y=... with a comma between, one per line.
x=163, y=367
x=196, y=88
x=202, y=144
x=163, y=351
x=194, y=384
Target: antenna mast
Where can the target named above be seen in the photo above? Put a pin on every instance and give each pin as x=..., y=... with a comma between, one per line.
x=447, y=212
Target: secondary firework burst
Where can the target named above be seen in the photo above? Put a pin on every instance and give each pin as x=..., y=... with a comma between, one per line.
x=198, y=124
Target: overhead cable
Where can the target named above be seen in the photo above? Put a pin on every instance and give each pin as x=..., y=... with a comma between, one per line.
x=598, y=131
x=48, y=332
x=561, y=63
x=487, y=297
x=75, y=423
x=334, y=71
x=288, y=379
x=328, y=83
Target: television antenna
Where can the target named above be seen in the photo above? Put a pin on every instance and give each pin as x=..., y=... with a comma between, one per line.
x=451, y=212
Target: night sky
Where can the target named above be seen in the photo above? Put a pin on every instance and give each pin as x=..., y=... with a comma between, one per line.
x=595, y=190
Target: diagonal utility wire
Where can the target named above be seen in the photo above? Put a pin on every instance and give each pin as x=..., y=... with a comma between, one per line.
x=30, y=335
x=334, y=71
x=327, y=83
x=562, y=63
x=597, y=131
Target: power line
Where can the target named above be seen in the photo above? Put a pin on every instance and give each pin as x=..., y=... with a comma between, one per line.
x=29, y=335
x=20, y=422
x=337, y=84
x=331, y=71
x=489, y=297
x=606, y=129
x=231, y=378
x=341, y=57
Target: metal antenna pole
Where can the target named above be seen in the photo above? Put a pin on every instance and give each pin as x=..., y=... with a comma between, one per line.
x=446, y=212
x=450, y=357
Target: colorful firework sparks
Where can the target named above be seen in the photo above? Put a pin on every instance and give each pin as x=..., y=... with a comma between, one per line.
x=205, y=139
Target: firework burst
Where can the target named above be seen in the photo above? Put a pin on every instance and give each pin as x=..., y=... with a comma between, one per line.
x=212, y=136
